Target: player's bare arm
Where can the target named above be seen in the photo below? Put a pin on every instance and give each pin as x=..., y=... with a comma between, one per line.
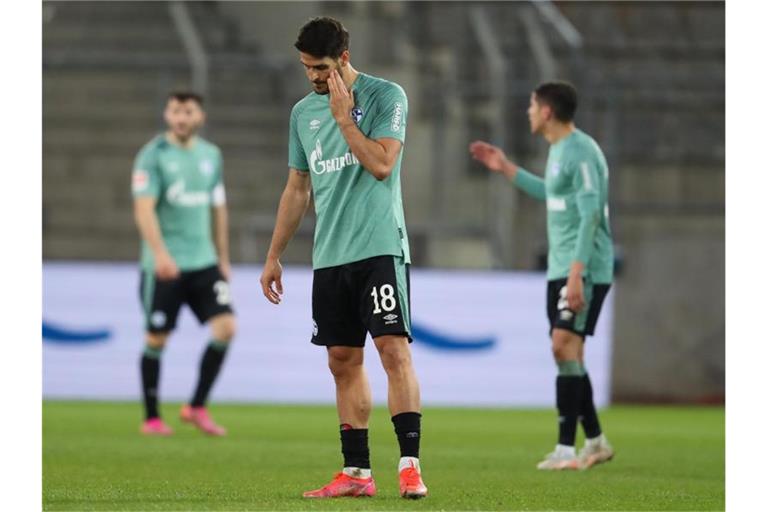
x=221, y=239
x=575, y=287
x=496, y=160
x=149, y=227
x=493, y=158
x=293, y=205
x=377, y=156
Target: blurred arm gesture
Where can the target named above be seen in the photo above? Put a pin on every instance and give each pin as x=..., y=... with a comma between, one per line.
x=493, y=158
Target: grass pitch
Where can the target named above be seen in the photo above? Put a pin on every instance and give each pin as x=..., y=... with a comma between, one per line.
x=667, y=458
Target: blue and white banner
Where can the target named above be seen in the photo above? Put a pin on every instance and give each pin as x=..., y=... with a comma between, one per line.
x=481, y=338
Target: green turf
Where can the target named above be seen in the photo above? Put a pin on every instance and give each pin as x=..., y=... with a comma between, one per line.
x=473, y=459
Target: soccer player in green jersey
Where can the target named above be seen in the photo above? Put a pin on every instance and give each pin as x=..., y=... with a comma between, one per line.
x=179, y=196
x=580, y=259
x=345, y=145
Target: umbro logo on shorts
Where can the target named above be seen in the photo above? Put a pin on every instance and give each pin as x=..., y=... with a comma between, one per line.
x=390, y=319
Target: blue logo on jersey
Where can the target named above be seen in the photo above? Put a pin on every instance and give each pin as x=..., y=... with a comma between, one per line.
x=356, y=114
x=443, y=342
x=57, y=334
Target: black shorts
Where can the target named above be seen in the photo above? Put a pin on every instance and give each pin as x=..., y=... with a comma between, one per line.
x=205, y=291
x=371, y=295
x=561, y=317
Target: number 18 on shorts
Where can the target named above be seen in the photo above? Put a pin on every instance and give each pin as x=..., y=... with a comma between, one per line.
x=368, y=296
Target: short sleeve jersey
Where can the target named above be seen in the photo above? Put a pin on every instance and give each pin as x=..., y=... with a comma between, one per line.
x=358, y=217
x=186, y=182
x=577, y=171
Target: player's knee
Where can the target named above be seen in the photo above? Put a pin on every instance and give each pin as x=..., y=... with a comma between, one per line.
x=394, y=356
x=559, y=352
x=156, y=340
x=565, y=346
x=343, y=360
x=224, y=329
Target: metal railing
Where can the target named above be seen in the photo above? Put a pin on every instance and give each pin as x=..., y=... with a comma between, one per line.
x=500, y=194
x=193, y=45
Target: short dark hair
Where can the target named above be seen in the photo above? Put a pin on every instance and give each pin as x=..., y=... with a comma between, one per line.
x=560, y=96
x=184, y=96
x=323, y=37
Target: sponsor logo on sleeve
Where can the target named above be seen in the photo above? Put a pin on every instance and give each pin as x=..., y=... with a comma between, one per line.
x=140, y=180
x=397, y=117
x=314, y=124
x=219, y=195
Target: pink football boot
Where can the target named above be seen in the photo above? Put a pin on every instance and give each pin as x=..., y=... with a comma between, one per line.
x=199, y=417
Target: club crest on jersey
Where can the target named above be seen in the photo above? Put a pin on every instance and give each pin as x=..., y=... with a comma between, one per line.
x=206, y=167
x=356, y=114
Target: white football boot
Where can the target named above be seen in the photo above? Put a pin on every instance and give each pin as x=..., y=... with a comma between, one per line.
x=564, y=457
x=595, y=451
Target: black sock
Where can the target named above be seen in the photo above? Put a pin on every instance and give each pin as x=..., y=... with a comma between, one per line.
x=150, y=376
x=354, y=447
x=408, y=430
x=210, y=364
x=569, y=393
x=589, y=420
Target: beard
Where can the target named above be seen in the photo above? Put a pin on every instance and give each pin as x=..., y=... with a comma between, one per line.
x=321, y=88
x=184, y=134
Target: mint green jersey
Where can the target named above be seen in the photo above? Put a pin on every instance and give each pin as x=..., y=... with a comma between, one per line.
x=186, y=182
x=575, y=188
x=358, y=217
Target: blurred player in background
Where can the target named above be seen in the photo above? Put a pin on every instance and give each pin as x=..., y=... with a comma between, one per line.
x=345, y=144
x=179, y=196
x=580, y=260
